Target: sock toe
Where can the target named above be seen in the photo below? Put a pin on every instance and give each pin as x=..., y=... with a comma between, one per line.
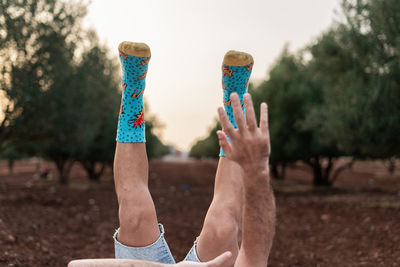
x=134, y=49
x=237, y=58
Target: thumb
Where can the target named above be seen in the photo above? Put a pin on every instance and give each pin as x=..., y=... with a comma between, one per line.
x=221, y=260
x=224, y=143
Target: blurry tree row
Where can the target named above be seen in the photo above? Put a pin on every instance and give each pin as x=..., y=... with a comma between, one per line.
x=59, y=88
x=340, y=96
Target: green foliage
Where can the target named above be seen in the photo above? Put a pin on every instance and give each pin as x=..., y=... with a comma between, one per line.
x=343, y=100
x=61, y=86
x=291, y=93
x=98, y=81
x=207, y=147
x=359, y=64
x=154, y=147
x=37, y=47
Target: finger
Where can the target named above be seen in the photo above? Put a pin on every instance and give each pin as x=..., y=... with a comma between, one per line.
x=225, y=123
x=221, y=260
x=237, y=112
x=264, y=118
x=224, y=143
x=250, y=113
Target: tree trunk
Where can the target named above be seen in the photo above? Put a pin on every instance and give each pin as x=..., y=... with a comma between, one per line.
x=111, y=165
x=11, y=166
x=274, y=170
x=283, y=173
x=340, y=169
x=5, y=130
x=321, y=175
x=392, y=166
x=278, y=175
x=90, y=167
x=63, y=168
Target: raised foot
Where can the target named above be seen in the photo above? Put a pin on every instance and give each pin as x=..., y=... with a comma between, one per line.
x=134, y=49
x=237, y=58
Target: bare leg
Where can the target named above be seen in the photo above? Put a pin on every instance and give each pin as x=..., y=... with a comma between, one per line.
x=137, y=215
x=223, y=220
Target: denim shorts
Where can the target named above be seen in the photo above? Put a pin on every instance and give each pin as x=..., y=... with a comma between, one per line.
x=192, y=254
x=157, y=251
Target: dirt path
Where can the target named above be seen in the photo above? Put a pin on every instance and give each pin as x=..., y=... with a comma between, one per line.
x=354, y=224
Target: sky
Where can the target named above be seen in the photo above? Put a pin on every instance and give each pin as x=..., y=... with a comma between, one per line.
x=188, y=40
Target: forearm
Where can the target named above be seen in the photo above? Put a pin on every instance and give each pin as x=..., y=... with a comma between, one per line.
x=258, y=218
x=250, y=148
x=115, y=263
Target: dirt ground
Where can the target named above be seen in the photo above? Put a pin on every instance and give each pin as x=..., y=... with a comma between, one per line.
x=356, y=223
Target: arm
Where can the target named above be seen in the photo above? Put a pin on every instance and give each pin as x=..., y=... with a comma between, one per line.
x=114, y=263
x=258, y=224
x=219, y=261
x=250, y=148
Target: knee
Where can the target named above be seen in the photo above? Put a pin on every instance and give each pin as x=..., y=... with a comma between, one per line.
x=223, y=224
x=135, y=212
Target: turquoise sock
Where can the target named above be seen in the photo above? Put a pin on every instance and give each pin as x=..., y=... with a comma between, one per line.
x=234, y=79
x=131, y=124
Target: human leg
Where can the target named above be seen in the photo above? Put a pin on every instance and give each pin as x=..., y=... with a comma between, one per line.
x=139, y=235
x=137, y=215
x=222, y=224
x=223, y=220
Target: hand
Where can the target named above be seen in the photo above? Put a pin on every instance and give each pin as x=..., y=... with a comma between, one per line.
x=219, y=261
x=250, y=145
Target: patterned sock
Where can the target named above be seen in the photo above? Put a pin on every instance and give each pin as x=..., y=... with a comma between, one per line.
x=134, y=59
x=236, y=71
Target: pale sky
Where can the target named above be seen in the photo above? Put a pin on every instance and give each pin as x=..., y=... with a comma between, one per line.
x=188, y=40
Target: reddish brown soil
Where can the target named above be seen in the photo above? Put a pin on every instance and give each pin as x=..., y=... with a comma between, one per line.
x=356, y=223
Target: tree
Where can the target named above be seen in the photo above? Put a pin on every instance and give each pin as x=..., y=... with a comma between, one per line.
x=359, y=64
x=27, y=31
x=154, y=146
x=353, y=82
x=9, y=151
x=291, y=94
x=344, y=100
x=44, y=105
x=207, y=147
x=60, y=85
x=98, y=77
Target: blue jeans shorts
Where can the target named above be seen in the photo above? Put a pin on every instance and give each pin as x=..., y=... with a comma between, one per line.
x=157, y=251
